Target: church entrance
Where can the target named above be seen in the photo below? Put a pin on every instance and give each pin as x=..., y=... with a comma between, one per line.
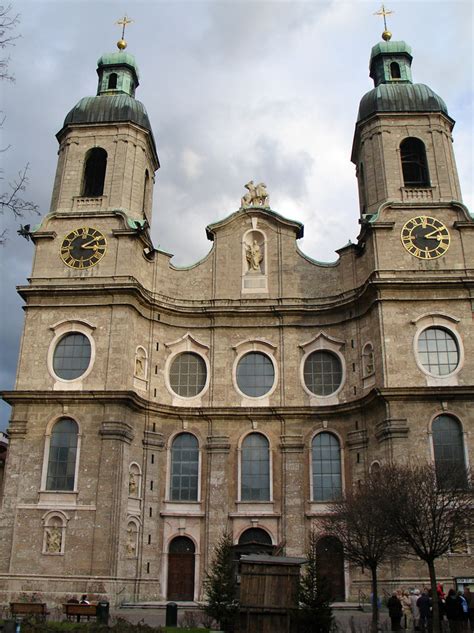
x=330, y=566
x=181, y=569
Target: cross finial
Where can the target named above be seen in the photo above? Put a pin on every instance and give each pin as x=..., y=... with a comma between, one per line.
x=123, y=22
x=386, y=35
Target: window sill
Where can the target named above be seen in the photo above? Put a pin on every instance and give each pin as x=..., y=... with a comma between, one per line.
x=318, y=508
x=254, y=508
x=59, y=499
x=182, y=508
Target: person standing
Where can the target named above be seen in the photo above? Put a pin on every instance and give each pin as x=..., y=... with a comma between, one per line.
x=424, y=606
x=470, y=603
x=395, y=611
x=415, y=612
x=454, y=612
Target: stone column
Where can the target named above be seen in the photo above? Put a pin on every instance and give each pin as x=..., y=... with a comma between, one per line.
x=215, y=494
x=293, y=494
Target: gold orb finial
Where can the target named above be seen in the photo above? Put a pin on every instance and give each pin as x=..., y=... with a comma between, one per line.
x=121, y=45
x=387, y=36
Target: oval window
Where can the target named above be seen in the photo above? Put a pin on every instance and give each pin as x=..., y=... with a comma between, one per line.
x=255, y=374
x=188, y=374
x=438, y=351
x=322, y=373
x=72, y=356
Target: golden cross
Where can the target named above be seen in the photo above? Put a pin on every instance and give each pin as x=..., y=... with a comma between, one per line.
x=384, y=12
x=123, y=22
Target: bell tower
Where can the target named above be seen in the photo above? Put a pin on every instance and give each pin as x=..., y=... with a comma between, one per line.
x=107, y=152
x=402, y=145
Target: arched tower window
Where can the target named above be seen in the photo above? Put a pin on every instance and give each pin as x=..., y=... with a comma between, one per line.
x=395, y=70
x=146, y=191
x=112, y=81
x=94, y=172
x=414, y=163
x=448, y=447
x=62, y=456
x=326, y=462
x=184, y=468
x=255, y=468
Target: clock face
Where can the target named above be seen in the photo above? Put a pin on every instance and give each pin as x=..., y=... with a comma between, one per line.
x=425, y=237
x=83, y=248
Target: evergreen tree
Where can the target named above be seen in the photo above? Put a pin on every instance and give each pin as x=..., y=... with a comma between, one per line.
x=221, y=585
x=314, y=611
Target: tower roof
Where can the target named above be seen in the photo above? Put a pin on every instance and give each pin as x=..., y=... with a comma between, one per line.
x=394, y=91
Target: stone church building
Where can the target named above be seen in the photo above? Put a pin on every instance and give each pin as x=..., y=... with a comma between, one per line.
x=156, y=407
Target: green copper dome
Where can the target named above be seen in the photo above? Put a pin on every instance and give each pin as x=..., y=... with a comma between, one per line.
x=108, y=109
x=400, y=98
x=118, y=58
x=390, y=68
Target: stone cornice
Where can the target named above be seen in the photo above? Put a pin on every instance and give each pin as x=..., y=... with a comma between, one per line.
x=117, y=430
x=132, y=400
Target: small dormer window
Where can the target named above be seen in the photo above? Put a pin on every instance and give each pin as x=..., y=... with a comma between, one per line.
x=414, y=163
x=395, y=70
x=112, y=81
x=94, y=172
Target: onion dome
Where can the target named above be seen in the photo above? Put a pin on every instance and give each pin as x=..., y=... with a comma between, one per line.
x=390, y=68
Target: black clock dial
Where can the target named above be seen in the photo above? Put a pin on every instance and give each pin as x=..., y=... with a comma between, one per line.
x=425, y=237
x=82, y=248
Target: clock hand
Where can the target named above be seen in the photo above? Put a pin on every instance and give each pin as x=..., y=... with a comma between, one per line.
x=95, y=247
x=89, y=243
x=433, y=235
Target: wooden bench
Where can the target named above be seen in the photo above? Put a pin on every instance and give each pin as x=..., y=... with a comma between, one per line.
x=26, y=609
x=74, y=610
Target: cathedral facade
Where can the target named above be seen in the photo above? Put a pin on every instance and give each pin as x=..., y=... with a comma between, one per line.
x=158, y=407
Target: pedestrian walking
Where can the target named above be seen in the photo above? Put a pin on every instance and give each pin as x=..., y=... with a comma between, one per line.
x=395, y=611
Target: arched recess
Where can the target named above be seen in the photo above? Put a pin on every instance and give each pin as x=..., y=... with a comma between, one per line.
x=254, y=540
x=131, y=544
x=95, y=165
x=414, y=163
x=134, y=480
x=330, y=567
x=395, y=70
x=112, y=84
x=181, y=565
x=54, y=532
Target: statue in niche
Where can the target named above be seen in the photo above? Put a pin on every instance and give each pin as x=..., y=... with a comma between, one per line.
x=54, y=540
x=131, y=542
x=254, y=256
x=132, y=485
x=257, y=195
x=140, y=364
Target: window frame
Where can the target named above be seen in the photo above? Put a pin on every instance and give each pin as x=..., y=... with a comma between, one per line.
x=266, y=348
x=168, y=497
x=457, y=339
x=425, y=166
x=60, y=329
x=187, y=343
x=240, y=472
x=323, y=351
x=463, y=434
x=44, y=474
x=341, y=462
x=173, y=360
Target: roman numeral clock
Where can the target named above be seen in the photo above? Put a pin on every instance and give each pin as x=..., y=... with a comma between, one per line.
x=425, y=237
x=83, y=248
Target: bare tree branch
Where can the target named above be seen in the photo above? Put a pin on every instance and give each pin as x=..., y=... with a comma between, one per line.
x=8, y=22
x=12, y=200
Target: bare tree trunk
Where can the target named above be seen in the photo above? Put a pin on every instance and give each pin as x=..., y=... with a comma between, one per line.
x=434, y=596
x=375, y=602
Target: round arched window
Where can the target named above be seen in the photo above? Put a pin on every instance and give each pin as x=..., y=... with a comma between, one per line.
x=322, y=373
x=255, y=374
x=188, y=374
x=438, y=351
x=72, y=356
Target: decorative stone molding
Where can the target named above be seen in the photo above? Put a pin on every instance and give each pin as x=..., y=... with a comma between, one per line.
x=391, y=428
x=121, y=431
x=153, y=440
x=81, y=203
x=409, y=194
x=291, y=444
x=218, y=444
x=357, y=440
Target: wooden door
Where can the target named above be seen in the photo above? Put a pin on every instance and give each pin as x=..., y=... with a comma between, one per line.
x=330, y=566
x=181, y=569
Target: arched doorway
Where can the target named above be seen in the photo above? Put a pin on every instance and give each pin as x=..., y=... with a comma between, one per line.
x=181, y=569
x=330, y=566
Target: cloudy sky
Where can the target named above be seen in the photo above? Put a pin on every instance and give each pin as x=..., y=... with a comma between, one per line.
x=235, y=90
